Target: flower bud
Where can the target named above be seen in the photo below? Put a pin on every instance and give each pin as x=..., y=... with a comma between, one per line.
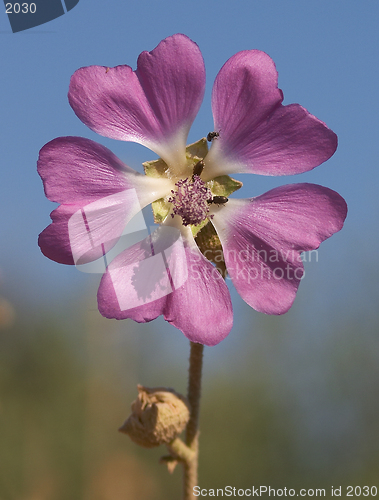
x=158, y=416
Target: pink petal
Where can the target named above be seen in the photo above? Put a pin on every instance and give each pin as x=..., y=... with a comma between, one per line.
x=99, y=196
x=82, y=234
x=257, y=133
x=54, y=241
x=74, y=169
x=263, y=238
x=154, y=105
x=165, y=274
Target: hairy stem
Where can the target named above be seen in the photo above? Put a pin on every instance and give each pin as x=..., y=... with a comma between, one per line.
x=190, y=465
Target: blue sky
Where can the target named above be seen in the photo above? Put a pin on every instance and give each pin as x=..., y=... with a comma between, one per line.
x=327, y=57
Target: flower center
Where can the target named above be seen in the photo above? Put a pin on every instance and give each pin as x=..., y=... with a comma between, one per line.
x=190, y=200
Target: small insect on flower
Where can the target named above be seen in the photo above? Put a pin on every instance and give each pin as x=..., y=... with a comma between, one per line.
x=212, y=135
x=198, y=168
x=218, y=200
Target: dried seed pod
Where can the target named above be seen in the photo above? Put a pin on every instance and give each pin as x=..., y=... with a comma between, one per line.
x=158, y=416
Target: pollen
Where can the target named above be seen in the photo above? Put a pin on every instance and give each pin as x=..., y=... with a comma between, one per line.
x=190, y=200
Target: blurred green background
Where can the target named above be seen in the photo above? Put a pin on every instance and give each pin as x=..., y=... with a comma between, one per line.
x=273, y=413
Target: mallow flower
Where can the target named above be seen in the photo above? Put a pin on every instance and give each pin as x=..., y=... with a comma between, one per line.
x=170, y=272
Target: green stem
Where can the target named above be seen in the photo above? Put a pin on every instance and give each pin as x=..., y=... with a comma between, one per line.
x=190, y=465
x=180, y=451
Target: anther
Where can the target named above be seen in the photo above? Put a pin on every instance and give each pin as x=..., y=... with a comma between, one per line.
x=190, y=200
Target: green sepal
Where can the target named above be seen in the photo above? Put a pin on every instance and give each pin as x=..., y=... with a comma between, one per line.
x=155, y=168
x=194, y=153
x=223, y=185
x=210, y=246
x=196, y=229
x=220, y=186
x=158, y=168
x=160, y=210
x=197, y=150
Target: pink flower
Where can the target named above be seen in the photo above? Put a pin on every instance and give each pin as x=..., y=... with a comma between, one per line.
x=262, y=238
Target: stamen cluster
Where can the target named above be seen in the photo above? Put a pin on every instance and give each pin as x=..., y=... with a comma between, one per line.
x=190, y=200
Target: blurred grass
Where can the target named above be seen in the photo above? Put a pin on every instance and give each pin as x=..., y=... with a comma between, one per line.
x=63, y=395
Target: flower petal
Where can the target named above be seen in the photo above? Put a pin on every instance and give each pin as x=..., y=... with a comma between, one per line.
x=263, y=238
x=54, y=241
x=166, y=274
x=99, y=196
x=257, y=133
x=154, y=105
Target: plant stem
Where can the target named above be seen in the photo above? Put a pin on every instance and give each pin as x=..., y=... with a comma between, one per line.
x=190, y=466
